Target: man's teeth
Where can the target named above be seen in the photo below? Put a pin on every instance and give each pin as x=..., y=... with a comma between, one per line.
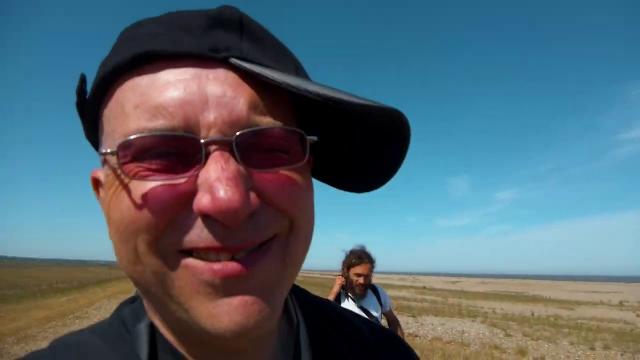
x=215, y=256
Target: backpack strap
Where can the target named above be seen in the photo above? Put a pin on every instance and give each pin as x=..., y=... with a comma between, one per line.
x=376, y=293
x=362, y=308
x=338, y=298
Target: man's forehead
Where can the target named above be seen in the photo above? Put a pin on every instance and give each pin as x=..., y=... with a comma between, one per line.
x=365, y=268
x=164, y=83
x=186, y=68
x=176, y=76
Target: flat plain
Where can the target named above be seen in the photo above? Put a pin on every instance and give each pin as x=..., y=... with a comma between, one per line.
x=42, y=300
x=482, y=318
x=443, y=317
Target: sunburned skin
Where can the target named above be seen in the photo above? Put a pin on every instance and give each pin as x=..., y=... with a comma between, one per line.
x=221, y=261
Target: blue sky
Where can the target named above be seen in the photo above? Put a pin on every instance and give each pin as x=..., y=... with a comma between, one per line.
x=525, y=120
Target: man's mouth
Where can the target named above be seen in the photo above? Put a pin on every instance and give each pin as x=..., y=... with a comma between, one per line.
x=210, y=255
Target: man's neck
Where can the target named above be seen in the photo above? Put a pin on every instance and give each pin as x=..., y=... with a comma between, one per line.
x=262, y=343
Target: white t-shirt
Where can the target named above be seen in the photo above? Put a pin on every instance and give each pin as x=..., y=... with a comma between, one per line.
x=369, y=302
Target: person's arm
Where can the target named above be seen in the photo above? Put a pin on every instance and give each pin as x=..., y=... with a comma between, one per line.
x=335, y=290
x=393, y=322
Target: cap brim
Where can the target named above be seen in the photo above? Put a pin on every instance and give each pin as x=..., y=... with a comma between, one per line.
x=361, y=143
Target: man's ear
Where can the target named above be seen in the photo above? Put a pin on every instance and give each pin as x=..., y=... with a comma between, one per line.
x=97, y=182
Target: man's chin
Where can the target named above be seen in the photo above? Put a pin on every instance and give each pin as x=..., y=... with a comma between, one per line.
x=235, y=316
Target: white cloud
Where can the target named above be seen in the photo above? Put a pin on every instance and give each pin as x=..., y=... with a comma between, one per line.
x=628, y=143
x=624, y=150
x=506, y=196
x=459, y=186
x=496, y=229
x=605, y=244
x=632, y=134
x=343, y=236
x=468, y=217
x=454, y=221
x=501, y=200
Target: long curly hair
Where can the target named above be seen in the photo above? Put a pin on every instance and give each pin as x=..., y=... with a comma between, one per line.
x=358, y=255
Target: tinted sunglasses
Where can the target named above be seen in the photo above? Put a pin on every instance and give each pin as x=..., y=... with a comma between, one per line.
x=169, y=155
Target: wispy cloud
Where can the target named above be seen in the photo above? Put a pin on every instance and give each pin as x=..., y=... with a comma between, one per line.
x=602, y=244
x=456, y=220
x=628, y=143
x=501, y=200
x=459, y=186
x=506, y=196
x=496, y=229
x=411, y=219
x=603, y=152
x=625, y=150
x=631, y=134
x=343, y=236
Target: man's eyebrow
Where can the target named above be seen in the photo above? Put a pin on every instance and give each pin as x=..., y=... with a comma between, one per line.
x=171, y=128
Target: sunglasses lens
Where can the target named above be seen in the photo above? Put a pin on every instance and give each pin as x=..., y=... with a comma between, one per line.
x=160, y=156
x=271, y=148
x=172, y=156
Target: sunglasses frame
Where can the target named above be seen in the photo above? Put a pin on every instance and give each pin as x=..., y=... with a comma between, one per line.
x=205, y=143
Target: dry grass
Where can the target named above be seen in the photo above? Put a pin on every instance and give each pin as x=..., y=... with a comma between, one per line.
x=30, y=314
x=508, y=297
x=23, y=281
x=33, y=295
x=522, y=351
x=317, y=285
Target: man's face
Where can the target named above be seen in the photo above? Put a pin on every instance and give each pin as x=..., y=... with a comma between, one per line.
x=168, y=235
x=359, y=279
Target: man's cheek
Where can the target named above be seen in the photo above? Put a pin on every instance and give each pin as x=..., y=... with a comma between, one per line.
x=163, y=197
x=285, y=189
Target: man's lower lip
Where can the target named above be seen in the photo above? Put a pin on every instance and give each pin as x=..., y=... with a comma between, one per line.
x=231, y=268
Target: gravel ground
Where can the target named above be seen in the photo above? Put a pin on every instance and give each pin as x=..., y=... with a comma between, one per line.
x=471, y=332
x=477, y=335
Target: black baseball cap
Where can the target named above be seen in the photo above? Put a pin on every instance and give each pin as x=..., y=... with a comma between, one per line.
x=361, y=144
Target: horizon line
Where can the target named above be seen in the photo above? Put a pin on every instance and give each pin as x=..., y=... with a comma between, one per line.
x=389, y=272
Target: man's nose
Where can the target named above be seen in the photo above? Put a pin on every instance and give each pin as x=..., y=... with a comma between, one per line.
x=224, y=191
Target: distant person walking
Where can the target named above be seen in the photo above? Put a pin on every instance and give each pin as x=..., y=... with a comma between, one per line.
x=354, y=290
